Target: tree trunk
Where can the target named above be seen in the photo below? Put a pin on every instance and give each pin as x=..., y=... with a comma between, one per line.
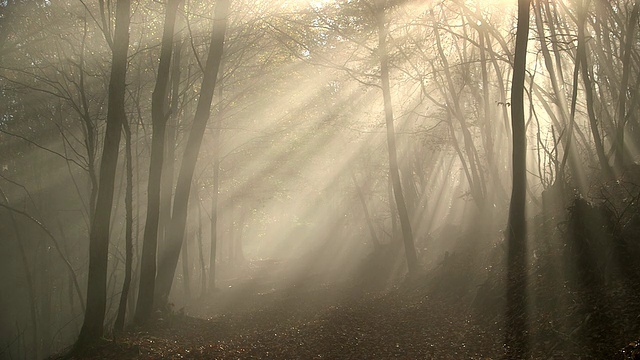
x=231, y=235
x=203, y=270
x=184, y=257
x=392, y=210
x=92, y=328
x=214, y=214
x=238, y=253
x=186, y=268
x=622, y=99
x=487, y=123
x=168, y=262
x=407, y=234
x=28, y=277
x=159, y=118
x=168, y=168
x=476, y=181
x=516, y=327
x=217, y=129
x=588, y=90
x=122, y=307
x=556, y=76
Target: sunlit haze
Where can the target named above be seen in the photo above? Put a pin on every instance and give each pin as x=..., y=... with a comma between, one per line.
x=285, y=179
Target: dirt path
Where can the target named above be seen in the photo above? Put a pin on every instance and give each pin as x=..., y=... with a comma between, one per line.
x=321, y=323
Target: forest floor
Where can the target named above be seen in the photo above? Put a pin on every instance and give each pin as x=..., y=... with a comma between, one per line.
x=328, y=322
x=318, y=320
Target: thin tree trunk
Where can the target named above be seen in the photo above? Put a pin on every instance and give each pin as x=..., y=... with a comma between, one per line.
x=92, y=328
x=203, y=270
x=217, y=130
x=133, y=294
x=70, y=293
x=231, y=218
x=214, y=213
x=186, y=273
x=128, y=200
x=501, y=87
x=622, y=99
x=588, y=90
x=392, y=210
x=407, y=234
x=89, y=128
x=557, y=81
x=27, y=273
x=168, y=169
x=478, y=186
x=238, y=248
x=46, y=293
x=168, y=262
x=184, y=258
x=159, y=118
x=572, y=117
x=488, y=117
x=516, y=327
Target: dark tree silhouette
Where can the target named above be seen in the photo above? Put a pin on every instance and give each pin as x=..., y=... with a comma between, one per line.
x=126, y=285
x=169, y=260
x=516, y=328
x=159, y=117
x=394, y=174
x=92, y=328
x=621, y=113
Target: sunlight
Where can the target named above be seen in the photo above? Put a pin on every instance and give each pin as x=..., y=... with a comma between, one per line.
x=298, y=179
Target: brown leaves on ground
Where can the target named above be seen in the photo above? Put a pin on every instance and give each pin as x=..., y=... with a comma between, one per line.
x=326, y=323
x=315, y=320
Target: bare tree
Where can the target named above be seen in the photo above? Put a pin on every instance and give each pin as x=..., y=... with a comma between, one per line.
x=621, y=113
x=159, y=117
x=516, y=329
x=394, y=174
x=169, y=260
x=126, y=284
x=92, y=328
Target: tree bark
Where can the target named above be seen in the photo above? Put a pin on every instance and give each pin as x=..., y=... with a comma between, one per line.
x=168, y=169
x=588, y=91
x=92, y=328
x=214, y=214
x=516, y=327
x=159, y=118
x=217, y=130
x=168, y=262
x=622, y=99
x=407, y=234
x=28, y=277
x=203, y=270
x=128, y=265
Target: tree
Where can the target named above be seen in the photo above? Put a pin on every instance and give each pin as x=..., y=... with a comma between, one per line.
x=214, y=195
x=169, y=260
x=621, y=113
x=92, y=328
x=159, y=117
x=588, y=89
x=394, y=174
x=516, y=329
x=126, y=284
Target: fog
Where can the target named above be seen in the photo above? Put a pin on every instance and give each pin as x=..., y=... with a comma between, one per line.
x=253, y=167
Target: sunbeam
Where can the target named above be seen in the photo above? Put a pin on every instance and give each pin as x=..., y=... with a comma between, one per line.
x=242, y=179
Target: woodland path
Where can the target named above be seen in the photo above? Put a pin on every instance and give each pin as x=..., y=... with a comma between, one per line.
x=251, y=319
x=312, y=322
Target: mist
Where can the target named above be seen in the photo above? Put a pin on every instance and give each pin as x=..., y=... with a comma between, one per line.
x=240, y=179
